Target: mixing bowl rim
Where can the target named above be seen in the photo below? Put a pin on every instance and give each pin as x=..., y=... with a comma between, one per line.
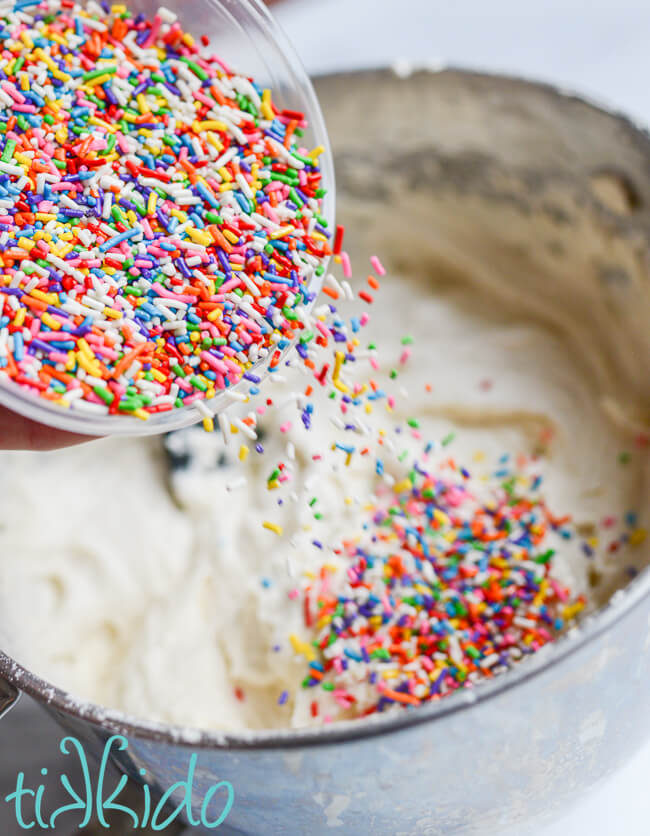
x=593, y=625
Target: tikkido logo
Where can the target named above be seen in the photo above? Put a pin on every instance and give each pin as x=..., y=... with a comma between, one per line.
x=97, y=801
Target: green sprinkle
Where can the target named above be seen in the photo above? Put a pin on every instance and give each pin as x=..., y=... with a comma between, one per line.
x=198, y=71
x=103, y=393
x=8, y=152
x=97, y=73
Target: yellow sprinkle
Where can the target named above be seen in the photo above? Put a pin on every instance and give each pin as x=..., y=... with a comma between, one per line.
x=118, y=9
x=215, y=314
x=49, y=320
x=538, y=600
x=572, y=610
x=24, y=81
x=282, y=232
x=85, y=349
x=638, y=536
x=50, y=298
x=267, y=110
x=151, y=203
x=225, y=174
x=142, y=414
x=25, y=244
x=243, y=453
x=142, y=102
x=233, y=429
x=271, y=526
x=315, y=154
x=88, y=366
x=402, y=486
x=210, y=125
x=302, y=648
x=45, y=216
x=338, y=361
x=390, y=674
x=199, y=236
x=208, y=424
x=29, y=43
x=341, y=387
x=111, y=313
x=213, y=139
x=102, y=79
x=230, y=236
x=19, y=319
x=368, y=409
x=176, y=213
x=187, y=39
x=440, y=516
x=158, y=375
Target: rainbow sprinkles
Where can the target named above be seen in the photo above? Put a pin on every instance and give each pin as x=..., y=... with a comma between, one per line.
x=160, y=222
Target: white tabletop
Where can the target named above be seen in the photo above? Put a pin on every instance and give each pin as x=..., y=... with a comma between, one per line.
x=602, y=52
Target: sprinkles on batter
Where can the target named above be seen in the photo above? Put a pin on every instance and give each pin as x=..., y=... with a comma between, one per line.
x=160, y=221
x=451, y=580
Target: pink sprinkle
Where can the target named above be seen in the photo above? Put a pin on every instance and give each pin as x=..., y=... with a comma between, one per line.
x=323, y=329
x=284, y=428
x=377, y=266
x=405, y=356
x=293, y=593
x=155, y=28
x=15, y=95
x=345, y=264
x=58, y=357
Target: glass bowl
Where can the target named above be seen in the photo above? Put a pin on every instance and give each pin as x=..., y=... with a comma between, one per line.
x=246, y=36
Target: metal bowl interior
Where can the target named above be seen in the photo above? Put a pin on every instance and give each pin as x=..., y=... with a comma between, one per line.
x=498, y=108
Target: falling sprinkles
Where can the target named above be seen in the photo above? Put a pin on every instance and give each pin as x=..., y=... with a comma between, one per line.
x=452, y=581
x=160, y=221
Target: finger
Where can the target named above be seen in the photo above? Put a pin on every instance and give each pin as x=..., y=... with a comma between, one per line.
x=18, y=433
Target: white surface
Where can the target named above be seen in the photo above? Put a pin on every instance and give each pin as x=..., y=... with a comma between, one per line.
x=596, y=47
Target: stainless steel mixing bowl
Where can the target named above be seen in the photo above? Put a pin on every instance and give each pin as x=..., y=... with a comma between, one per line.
x=544, y=182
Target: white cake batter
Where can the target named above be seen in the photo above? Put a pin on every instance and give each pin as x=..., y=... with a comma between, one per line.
x=161, y=594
